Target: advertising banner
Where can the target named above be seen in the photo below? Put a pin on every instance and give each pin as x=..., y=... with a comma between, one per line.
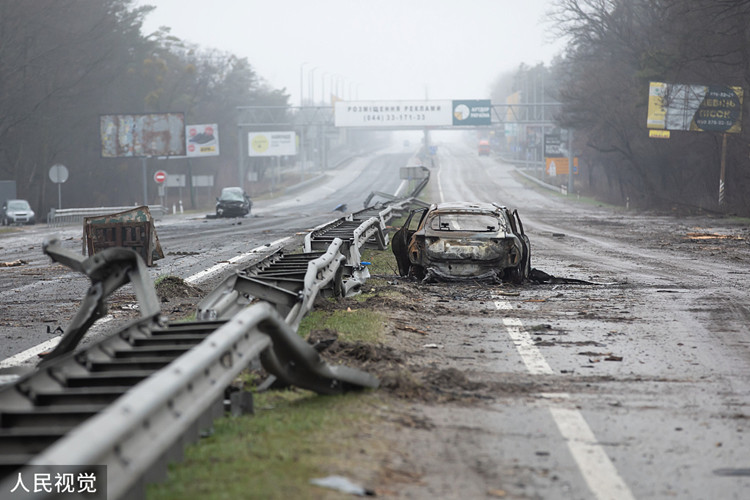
x=142, y=135
x=393, y=113
x=697, y=108
x=271, y=144
x=202, y=140
x=554, y=146
x=472, y=112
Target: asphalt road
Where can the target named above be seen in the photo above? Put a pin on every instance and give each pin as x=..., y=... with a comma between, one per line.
x=40, y=295
x=635, y=387
x=638, y=386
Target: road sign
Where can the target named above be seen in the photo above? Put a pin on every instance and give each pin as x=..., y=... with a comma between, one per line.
x=58, y=173
x=160, y=176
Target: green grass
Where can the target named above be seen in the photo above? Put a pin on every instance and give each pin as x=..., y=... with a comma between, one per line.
x=295, y=436
x=352, y=326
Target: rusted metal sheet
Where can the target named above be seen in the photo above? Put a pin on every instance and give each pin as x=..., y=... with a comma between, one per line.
x=142, y=135
x=132, y=229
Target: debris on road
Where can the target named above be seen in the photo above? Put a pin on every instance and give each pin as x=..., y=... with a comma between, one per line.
x=410, y=329
x=712, y=236
x=342, y=484
x=14, y=263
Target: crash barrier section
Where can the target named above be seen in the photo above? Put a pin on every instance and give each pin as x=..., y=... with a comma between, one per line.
x=70, y=216
x=563, y=189
x=129, y=400
x=132, y=229
x=290, y=282
x=354, y=235
x=407, y=174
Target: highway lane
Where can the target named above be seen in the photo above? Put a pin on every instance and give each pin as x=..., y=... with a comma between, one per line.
x=646, y=374
x=41, y=294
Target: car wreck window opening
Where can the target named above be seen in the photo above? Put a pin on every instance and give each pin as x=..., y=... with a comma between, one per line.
x=466, y=222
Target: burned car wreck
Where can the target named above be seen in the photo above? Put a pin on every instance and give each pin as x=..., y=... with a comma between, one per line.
x=463, y=241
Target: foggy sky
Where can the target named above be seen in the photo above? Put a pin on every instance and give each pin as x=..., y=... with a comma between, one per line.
x=369, y=49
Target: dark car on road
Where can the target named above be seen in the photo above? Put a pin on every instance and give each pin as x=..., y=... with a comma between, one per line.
x=463, y=241
x=16, y=212
x=233, y=202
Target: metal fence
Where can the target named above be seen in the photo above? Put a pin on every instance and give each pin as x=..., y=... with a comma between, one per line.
x=70, y=216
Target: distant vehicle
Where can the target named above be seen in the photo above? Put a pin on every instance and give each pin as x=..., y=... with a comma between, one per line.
x=17, y=212
x=484, y=148
x=233, y=202
x=464, y=241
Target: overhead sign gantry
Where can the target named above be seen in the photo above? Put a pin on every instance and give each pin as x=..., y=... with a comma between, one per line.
x=413, y=113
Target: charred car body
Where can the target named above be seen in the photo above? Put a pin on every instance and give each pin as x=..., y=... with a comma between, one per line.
x=233, y=202
x=463, y=241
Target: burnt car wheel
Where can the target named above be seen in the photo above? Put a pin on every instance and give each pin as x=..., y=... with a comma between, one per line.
x=418, y=272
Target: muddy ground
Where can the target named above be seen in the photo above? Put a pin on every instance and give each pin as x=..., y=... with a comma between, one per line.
x=629, y=348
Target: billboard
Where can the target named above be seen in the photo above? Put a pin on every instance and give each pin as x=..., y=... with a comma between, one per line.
x=272, y=144
x=142, y=135
x=554, y=147
x=202, y=140
x=698, y=108
x=393, y=113
x=472, y=112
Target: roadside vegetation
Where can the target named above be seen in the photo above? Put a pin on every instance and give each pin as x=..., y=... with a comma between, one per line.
x=296, y=435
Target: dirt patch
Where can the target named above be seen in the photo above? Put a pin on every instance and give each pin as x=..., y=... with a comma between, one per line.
x=178, y=298
x=172, y=287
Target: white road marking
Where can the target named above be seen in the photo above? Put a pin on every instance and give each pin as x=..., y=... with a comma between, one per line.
x=532, y=358
x=440, y=186
x=32, y=352
x=22, y=357
x=597, y=469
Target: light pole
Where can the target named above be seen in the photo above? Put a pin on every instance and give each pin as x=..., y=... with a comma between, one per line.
x=301, y=84
x=323, y=87
x=311, y=83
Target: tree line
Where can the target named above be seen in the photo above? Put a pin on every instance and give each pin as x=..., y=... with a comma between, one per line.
x=63, y=63
x=615, y=48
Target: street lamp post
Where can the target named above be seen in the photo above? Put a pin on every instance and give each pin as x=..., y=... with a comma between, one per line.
x=311, y=83
x=301, y=84
x=323, y=87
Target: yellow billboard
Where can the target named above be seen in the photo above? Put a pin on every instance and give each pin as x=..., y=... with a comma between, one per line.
x=697, y=108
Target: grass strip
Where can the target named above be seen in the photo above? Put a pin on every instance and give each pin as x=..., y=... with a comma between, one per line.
x=294, y=436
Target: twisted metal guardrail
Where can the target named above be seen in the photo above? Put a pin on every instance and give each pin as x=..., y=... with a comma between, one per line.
x=291, y=282
x=145, y=424
x=126, y=401
x=130, y=400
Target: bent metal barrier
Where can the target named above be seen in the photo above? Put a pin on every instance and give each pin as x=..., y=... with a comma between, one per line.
x=355, y=233
x=289, y=281
x=127, y=401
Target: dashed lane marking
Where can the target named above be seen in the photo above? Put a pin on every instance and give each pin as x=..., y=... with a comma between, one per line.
x=597, y=469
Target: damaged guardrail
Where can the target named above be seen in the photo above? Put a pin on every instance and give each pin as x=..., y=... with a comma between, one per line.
x=289, y=281
x=354, y=235
x=126, y=401
x=67, y=216
x=409, y=173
